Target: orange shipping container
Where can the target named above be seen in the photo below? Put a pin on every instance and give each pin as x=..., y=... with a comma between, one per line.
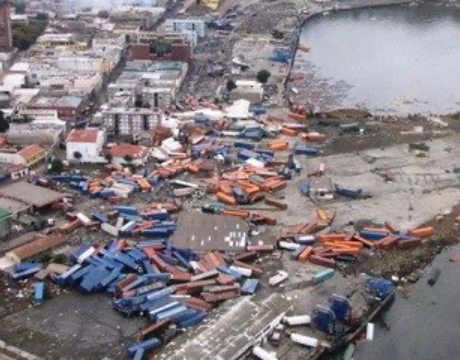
x=297, y=117
x=423, y=232
x=306, y=254
x=288, y=132
x=278, y=146
x=227, y=199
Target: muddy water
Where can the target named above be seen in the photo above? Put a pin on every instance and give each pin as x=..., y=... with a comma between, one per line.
x=398, y=59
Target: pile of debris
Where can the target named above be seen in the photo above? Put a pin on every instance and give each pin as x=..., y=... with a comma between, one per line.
x=330, y=249
x=153, y=279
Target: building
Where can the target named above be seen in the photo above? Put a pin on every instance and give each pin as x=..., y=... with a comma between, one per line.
x=6, y=59
x=22, y=197
x=137, y=155
x=86, y=145
x=43, y=133
x=130, y=121
x=212, y=4
x=69, y=108
x=150, y=85
x=27, y=157
x=191, y=29
x=161, y=46
x=39, y=245
x=187, y=24
x=202, y=233
x=5, y=222
x=68, y=40
x=6, y=34
x=248, y=90
x=232, y=335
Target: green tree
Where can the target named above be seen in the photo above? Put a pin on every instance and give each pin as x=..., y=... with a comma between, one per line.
x=231, y=85
x=128, y=158
x=57, y=166
x=263, y=76
x=4, y=124
x=25, y=35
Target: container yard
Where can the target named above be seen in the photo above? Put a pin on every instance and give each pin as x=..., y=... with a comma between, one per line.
x=201, y=206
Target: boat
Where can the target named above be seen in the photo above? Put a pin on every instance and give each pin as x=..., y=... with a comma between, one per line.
x=340, y=344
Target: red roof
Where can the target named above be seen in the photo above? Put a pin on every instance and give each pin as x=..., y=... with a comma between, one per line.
x=2, y=141
x=31, y=152
x=83, y=136
x=122, y=150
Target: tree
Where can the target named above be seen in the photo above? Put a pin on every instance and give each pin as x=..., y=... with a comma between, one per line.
x=104, y=14
x=128, y=158
x=138, y=103
x=19, y=7
x=108, y=157
x=263, y=76
x=77, y=155
x=57, y=166
x=4, y=124
x=231, y=85
x=25, y=35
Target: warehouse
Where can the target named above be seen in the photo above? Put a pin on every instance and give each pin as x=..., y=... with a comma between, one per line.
x=201, y=232
x=224, y=339
x=21, y=197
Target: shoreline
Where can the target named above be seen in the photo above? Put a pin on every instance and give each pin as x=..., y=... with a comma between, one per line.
x=293, y=92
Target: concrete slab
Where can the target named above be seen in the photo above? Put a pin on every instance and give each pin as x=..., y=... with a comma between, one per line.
x=422, y=187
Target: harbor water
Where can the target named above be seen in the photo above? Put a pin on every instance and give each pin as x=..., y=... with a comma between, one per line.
x=397, y=59
x=425, y=324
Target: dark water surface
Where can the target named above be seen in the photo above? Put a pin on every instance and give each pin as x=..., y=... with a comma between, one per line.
x=424, y=326
x=401, y=59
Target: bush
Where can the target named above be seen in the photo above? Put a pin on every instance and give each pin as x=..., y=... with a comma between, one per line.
x=231, y=85
x=263, y=76
x=57, y=166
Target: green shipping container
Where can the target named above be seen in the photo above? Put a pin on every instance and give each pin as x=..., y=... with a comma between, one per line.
x=323, y=276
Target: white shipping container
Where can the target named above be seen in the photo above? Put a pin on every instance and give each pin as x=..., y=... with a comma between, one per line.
x=279, y=278
x=86, y=255
x=297, y=320
x=263, y=354
x=370, y=331
x=243, y=271
x=288, y=245
x=304, y=340
x=112, y=230
x=84, y=219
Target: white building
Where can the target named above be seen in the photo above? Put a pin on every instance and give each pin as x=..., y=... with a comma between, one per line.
x=138, y=155
x=130, y=121
x=250, y=90
x=180, y=25
x=86, y=145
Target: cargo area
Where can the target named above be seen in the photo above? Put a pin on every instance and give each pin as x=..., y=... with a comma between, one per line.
x=246, y=223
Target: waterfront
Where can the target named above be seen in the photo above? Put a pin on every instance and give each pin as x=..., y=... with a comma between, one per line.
x=423, y=326
x=396, y=59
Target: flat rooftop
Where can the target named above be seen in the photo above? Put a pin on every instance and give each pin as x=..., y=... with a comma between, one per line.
x=204, y=232
x=29, y=195
x=235, y=331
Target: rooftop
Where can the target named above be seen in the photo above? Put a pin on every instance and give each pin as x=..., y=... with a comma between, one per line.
x=31, y=152
x=29, y=194
x=83, y=136
x=134, y=151
x=201, y=232
x=41, y=244
x=231, y=334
